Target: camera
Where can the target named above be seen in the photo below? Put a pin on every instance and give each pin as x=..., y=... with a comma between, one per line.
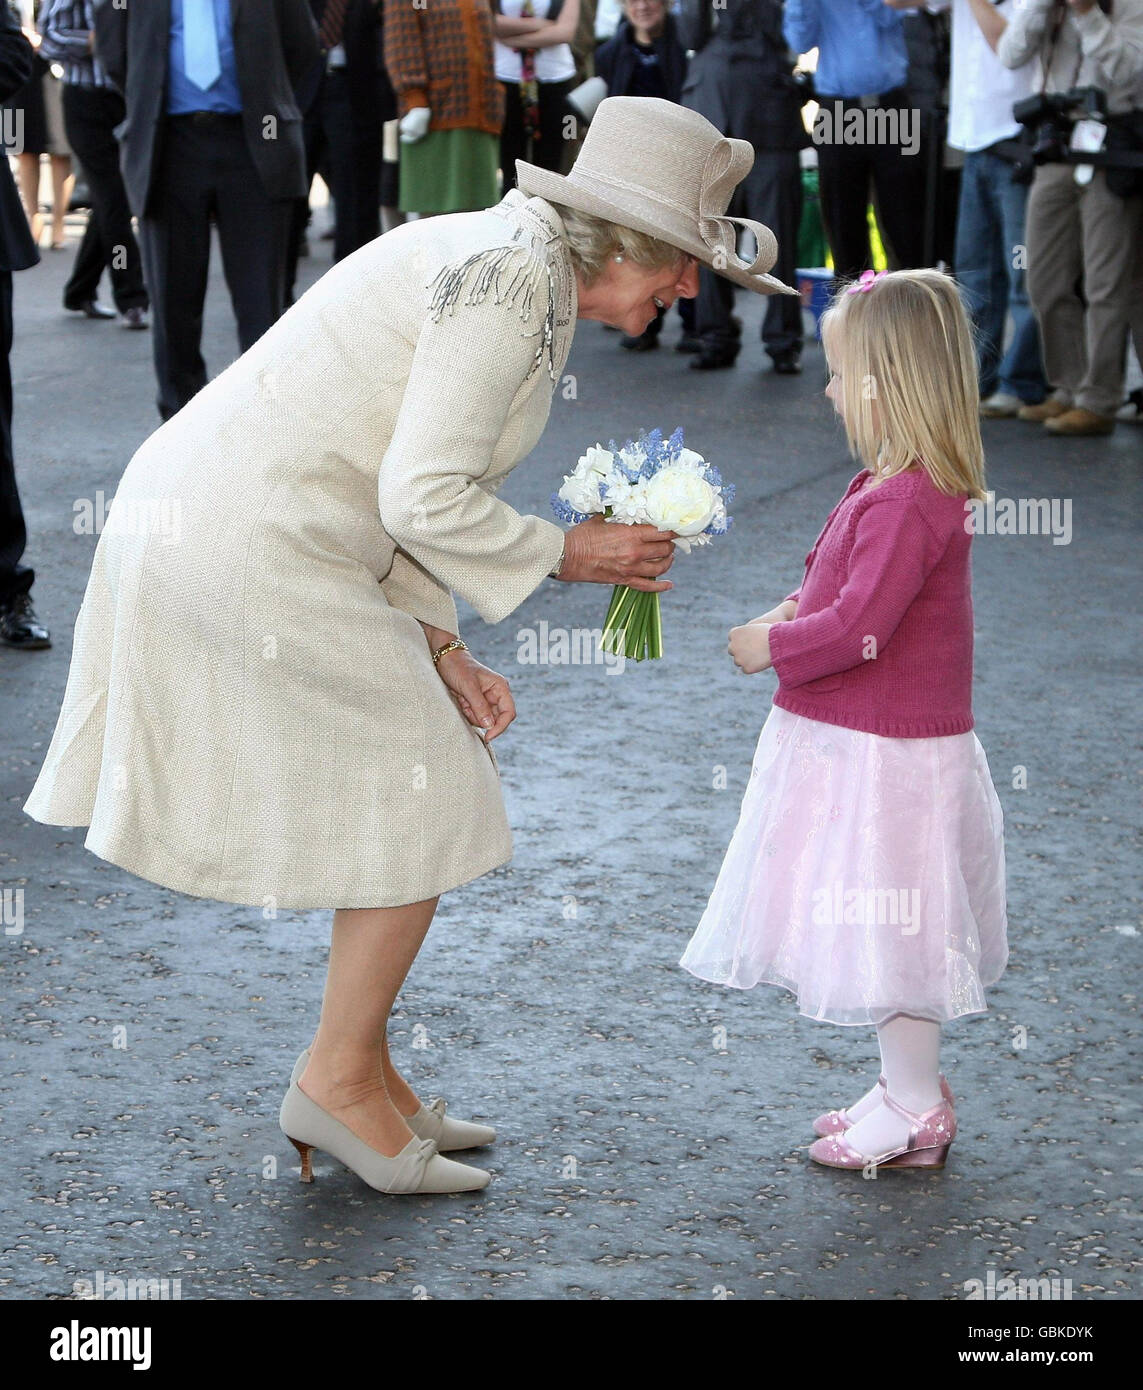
x=1048, y=117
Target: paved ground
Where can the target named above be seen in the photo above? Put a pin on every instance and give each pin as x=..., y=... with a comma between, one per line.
x=638, y=1158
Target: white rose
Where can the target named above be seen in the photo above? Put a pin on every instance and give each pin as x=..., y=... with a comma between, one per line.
x=680, y=501
x=597, y=460
x=582, y=493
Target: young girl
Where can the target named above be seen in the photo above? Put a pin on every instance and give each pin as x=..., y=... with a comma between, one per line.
x=866, y=873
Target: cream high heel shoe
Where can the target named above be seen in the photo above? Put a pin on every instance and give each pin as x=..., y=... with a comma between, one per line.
x=417, y=1168
x=430, y=1121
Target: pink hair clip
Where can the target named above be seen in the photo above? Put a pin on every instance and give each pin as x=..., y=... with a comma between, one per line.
x=868, y=279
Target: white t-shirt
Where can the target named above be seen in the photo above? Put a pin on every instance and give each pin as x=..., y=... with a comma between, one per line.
x=981, y=89
x=554, y=64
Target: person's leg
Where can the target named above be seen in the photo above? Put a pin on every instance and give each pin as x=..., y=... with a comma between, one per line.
x=979, y=266
x=549, y=146
x=843, y=182
x=715, y=325
x=772, y=194
x=28, y=177
x=371, y=951
x=911, y=1066
x=512, y=141
x=253, y=236
x=91, y=115
x=1055, y=265
x=175, y=242
x=899, y=187
x=87, y=270
x=1112, y=227
x=63, y=181
x=1021, y=370
x=15, y=578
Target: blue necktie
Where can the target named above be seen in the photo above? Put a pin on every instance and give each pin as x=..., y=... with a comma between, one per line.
x=200, y=43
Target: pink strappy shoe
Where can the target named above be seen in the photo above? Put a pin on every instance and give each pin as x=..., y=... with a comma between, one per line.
x=930, y=1138
x=838, y=1121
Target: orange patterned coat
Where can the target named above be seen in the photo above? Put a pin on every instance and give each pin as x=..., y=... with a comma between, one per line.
x=439, y=55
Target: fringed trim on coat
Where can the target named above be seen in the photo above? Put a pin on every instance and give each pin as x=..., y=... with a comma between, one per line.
x=490, y=272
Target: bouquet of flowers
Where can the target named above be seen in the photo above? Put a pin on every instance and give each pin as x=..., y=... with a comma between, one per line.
x=653, y=480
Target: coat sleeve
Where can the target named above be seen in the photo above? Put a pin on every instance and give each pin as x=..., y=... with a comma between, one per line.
x=801, y=24
x=111, y=42
x=300, y=46
x=894, y=552
x=16, y=56
x=472, y=366
x=1115, y=44
x=405, y=58
x=1025, y=32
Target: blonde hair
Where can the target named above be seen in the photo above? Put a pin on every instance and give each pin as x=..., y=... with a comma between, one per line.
x=905, y=346
x=593, y=241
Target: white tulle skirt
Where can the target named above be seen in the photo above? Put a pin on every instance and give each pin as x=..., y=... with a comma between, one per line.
x=866, y=874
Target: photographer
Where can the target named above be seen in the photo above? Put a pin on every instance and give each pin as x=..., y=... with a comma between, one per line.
x=1084, y=223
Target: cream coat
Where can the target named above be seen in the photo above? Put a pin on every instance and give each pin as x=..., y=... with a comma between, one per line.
x=252, y=714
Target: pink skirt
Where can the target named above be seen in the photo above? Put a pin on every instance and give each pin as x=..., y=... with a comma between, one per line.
x=866, y=875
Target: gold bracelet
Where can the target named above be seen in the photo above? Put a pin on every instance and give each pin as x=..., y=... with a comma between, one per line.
x=456, y=645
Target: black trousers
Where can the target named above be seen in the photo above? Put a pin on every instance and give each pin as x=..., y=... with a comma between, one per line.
x=848, y=175
x=547, y=149
x=771, y=194
x=90, y=117
x=349, y=155
x=206, y=174
x=15, y=578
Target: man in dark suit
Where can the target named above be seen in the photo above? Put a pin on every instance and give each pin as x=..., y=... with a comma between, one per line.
x=213, y=132
x=346, y=100
x=19, y=626
x=741, y=79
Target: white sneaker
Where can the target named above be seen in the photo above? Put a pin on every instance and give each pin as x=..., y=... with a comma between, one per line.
x=1000, y=406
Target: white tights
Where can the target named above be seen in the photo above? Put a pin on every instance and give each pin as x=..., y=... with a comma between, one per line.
x=911, y=1066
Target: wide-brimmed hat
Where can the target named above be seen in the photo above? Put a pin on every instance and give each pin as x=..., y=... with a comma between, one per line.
x=661, y=169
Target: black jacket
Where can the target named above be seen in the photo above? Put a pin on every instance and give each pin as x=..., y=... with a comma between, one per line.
x=275, y=46
x=371, y=97
x=17, y=249
x=740, y=76
x=615, y=60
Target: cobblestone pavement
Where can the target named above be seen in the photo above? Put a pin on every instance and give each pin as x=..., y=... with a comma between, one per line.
x=653, y=1127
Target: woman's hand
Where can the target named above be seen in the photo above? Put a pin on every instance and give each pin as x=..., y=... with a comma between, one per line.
x=604, y=552
x=750, y=647
x=785, y=612
x=483, y=696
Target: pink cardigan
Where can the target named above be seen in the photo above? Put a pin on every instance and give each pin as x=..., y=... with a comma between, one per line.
x=883, y=637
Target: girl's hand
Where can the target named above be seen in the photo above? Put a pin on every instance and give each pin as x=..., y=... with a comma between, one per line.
x=785, y=612
x=750, y=647
x=483, y=696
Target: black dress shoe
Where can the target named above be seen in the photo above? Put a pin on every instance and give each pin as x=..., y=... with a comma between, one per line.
x=788, y=363
x=19, y=626
x=91, y=309
x=707, y=361
x=645, y=342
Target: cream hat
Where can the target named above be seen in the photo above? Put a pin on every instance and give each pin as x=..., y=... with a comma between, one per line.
x=660, y=168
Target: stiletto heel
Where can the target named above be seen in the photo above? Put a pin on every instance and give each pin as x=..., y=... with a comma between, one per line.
x=417, y=1168
x=305, y=1150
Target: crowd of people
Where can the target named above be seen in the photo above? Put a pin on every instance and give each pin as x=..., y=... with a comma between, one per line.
x=1002, y=139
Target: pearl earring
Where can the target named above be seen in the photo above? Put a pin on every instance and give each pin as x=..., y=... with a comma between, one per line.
x=617, y=258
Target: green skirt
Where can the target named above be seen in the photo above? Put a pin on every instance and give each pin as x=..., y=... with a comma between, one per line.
x=450, y=171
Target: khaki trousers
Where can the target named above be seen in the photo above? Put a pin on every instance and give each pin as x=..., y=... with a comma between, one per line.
x=1082, y=234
